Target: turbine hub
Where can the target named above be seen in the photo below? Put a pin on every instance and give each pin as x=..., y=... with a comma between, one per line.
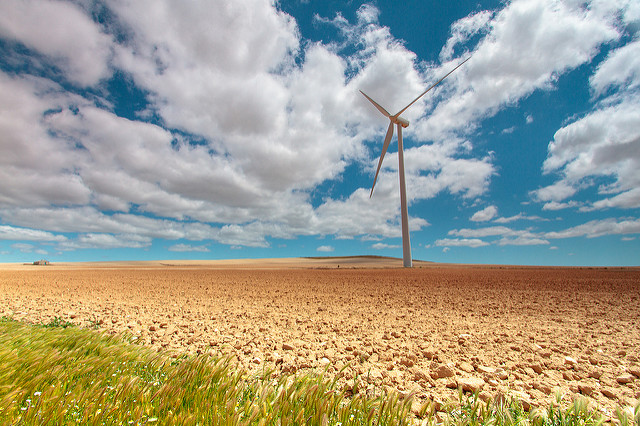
x=401, y=121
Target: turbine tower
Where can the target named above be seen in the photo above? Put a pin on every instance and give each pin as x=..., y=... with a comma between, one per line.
x=400, y=123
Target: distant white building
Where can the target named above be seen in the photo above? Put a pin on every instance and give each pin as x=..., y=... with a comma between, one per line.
x=41, y=262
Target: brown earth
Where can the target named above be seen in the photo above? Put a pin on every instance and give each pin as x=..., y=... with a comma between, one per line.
x=529, y=332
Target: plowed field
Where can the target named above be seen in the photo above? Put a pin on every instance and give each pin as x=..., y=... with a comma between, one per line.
x=529, y=332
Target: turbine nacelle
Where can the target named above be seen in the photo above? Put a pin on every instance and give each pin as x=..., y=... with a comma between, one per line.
x=399, y=120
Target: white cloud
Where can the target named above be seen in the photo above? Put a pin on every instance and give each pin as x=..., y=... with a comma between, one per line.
x=463, y=29
x=326, y=249
x=555, y=192
x=529, y=42
x=27, y=234
x=105, y=241
x=605, y=143
x=555, y=205
x=27, y=180
x=383, y=246
x=522, y=241
x=509, y=236
x=187, y=248
x=300, y=125
x=519, y=216
x=63, y=32
x=622, y=67
x=485, y=214
x=121, y=182
x=599, y=228
x=23, y=247
x=461, y=242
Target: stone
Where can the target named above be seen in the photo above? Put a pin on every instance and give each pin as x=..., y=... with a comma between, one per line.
x=570, y=361
x=287, y=347
x=485, y=370
x=585, y=389
x=542, y=387
x=429, y=354
x=442, y=372
x=537, y=368
x=595, y=374
x=609, y=393
x=419, y=374
x=466, y=367
x=484, y=396
x=625, y=378
x=635, y=370
x=407, y=362
x=471, y=384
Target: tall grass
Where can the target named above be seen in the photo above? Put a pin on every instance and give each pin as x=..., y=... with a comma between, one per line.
x=57, y=375
x=63, y=375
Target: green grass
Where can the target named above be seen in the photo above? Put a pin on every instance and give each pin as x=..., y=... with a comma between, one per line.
x=65, y=375
x=60, y=374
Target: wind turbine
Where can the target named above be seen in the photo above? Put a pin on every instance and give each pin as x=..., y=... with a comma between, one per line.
x=400, y=123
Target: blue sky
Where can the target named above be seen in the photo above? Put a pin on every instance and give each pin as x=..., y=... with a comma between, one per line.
x=235, y=129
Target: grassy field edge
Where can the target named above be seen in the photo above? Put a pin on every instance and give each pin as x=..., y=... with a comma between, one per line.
x=61, y=374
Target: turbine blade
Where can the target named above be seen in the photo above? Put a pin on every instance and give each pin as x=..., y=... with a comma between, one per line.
x=387, y=140
x=432, y=86
x=382, y=110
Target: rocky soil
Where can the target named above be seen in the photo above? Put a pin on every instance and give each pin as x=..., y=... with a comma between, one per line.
x=532, y=333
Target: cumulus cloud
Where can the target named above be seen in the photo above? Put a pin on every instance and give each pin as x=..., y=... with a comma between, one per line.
x=502, y=235
x=188, y=248
x=461, y=242
x=325, y=249
x=63, y=32
x=622, y=67
x=527, y=45
x=485, y=214
x=383, y=246
x=604, y=143
x=28, y=248
x=105, y=241
x=27, y=234
x=242, y=119
x=599, y=228
x=519, y=216
x=508, y=236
